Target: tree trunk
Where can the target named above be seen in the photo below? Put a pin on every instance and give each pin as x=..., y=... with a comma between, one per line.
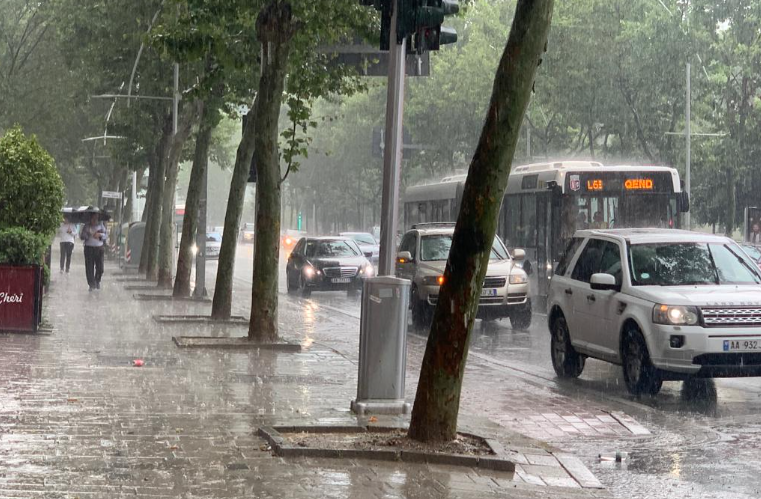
x=437, y=403
x=190, y=220
x=166, y=244
x=150, y=249
x=221, y=307
x=275, y=28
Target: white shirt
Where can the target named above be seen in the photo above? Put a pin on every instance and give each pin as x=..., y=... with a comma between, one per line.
x=67, y=232
x=88, y=232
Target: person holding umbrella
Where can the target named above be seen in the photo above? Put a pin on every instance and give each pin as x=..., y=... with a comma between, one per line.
x=94, y=234
x=67, y=232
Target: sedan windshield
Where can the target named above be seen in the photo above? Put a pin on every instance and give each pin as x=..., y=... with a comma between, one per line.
x=753, y=252
x=365, y=239
x=331, y=249
x=436, y=248
x=683, y=264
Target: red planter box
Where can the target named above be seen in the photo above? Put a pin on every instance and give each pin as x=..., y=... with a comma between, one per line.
x=20, y=297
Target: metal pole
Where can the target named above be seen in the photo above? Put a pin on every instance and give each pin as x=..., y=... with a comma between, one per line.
x=135, y=217
x=175, y=97
x=392, y=154
x=687, y=150
x=200, y=291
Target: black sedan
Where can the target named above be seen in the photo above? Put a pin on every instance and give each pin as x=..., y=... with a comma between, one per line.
x=326, y=263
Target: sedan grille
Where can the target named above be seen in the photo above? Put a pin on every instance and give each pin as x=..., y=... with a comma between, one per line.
x=340, y=271
x=717, y=317
x=495, y=282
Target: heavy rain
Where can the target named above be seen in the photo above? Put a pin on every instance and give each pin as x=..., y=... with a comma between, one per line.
x=378, y=248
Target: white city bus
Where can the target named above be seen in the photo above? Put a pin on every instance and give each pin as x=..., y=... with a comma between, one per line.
x=545, y=203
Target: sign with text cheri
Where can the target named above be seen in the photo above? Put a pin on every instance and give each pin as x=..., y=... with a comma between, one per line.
x=20, y=297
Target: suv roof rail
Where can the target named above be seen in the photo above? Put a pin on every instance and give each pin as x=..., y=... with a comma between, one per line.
x=433, y=224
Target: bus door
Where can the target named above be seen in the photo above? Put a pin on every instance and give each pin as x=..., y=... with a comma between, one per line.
x=543, y=224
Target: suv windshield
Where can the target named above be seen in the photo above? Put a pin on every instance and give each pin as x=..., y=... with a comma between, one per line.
x=322, y=249
x=436, y=248
x=683, y=264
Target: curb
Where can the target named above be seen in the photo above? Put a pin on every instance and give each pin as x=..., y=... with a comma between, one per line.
x=235, y=320
x=235, y=342
x=156, y=297
x=273, y=436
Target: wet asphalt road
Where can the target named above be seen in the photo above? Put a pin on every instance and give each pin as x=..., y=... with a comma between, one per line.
x=705, y=437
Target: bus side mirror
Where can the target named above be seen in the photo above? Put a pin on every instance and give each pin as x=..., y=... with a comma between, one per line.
x=519, y=254
x=684, y=202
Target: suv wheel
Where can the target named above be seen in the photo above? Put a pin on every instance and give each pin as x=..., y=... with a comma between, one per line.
x=640, y=374
x=566, y=361
x=521, y=320
x=421, y=312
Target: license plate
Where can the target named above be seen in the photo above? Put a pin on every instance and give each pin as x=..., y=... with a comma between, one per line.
x=340, y=280
x=741, y=345
x=489, y=292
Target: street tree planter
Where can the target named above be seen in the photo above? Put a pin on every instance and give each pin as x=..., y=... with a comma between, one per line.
x=21, y=290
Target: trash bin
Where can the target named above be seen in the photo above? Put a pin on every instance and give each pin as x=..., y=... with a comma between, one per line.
x=383, y=346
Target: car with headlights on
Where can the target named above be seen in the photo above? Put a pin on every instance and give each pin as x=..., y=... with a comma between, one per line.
x=326, y=264
x=422, y=258
x=247, y=233
x=664, y=304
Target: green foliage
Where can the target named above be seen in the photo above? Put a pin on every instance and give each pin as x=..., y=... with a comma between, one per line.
x=19, y=246
x=31, y=190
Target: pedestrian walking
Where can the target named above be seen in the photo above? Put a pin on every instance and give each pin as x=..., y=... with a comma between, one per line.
x=66, y=232
x=94, y=235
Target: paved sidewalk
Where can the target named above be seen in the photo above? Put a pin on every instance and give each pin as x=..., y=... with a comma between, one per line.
x=77, y=420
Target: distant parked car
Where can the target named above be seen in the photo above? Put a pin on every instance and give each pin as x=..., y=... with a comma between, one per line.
x=367, y=243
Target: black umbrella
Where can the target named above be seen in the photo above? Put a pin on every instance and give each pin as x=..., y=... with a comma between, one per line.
x=82, y=214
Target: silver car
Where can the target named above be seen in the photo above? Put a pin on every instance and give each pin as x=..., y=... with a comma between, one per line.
x=367, y=243
x=422, y=257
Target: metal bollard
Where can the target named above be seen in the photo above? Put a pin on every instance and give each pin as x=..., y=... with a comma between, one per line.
x=383, y=347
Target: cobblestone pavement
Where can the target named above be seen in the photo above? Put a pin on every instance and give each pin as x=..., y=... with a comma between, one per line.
x=78, y=420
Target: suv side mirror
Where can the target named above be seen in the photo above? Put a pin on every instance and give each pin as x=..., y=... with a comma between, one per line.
x=604, y=282
x=519, y=254
x=403, y=257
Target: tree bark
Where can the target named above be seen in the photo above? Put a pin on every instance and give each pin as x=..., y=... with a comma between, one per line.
x=221, y=307
x=149, y=252
x=166, y=245
x=437, y=403
x=275, y=28
x=190, y=220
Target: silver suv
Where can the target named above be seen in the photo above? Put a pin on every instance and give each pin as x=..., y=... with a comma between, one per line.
x=665, y=304
x=422, y=257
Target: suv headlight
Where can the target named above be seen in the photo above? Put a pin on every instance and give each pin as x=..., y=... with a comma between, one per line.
x=433, y=280
x=675, y=315
x=519, y=278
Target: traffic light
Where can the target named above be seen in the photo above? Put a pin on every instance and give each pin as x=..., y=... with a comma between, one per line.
x=418, y=20
x=429, y=34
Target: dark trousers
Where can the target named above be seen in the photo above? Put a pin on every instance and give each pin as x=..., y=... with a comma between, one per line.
x=66, y=249
x=94, y=264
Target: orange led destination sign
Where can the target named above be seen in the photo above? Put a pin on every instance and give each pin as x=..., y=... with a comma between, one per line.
x=594, y=184
x=639, y=184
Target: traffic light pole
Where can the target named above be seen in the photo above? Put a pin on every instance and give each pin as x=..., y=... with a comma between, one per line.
x=392, y=153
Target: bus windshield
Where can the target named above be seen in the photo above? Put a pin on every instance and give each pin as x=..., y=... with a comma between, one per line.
x=618, y=211
x=435, y=248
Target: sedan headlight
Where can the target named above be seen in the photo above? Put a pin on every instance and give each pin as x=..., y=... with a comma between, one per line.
x=433, y=280
x=520, y=278
x=675, y=315
x=309, y=271
x=367, y=271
